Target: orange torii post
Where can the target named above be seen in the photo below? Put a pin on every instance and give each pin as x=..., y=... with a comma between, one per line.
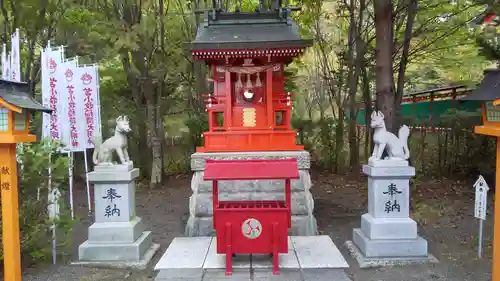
x=489, y=94
x=16, y=104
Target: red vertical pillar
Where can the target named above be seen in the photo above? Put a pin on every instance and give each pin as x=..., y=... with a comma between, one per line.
x=228, y=118
x=209, y=111
x=431, y=99
x=215, y=200
x=453, y=98
x=269, y=98
x=413, y=110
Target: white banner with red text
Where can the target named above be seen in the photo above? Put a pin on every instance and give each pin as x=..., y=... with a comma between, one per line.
x=51, y=61
x=15, y=64
x=72, y=92
x=90, y=100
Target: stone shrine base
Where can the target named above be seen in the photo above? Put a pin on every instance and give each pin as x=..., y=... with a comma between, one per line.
x=117, y=245
x=309, y=258
x=411, y=251
x=121, y=264
x=200, y=222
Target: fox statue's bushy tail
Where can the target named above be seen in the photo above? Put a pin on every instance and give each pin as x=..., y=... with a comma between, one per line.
x=403, y=134
x=97, y=141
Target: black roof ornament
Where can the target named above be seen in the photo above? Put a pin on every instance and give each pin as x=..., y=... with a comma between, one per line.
x=264, y=29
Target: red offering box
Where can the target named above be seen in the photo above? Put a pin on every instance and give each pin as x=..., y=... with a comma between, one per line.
x=252, y=227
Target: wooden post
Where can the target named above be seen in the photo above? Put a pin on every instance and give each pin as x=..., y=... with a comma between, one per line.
x=453, y=98
x=496, y=222
x=492, y=128
x=413, y=110
x=10, y=212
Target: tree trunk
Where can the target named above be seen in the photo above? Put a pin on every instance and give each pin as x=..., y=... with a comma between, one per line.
x=352, y=85
x=31, y=46
x=410, y=18
x=160, y=132
x=339, y=129
x=383, y=60
x=339, y=141
x=356, y=58
x=367, y=98
x=142, y=158
x=161, y=85
x=199, y=74
x=152, y=127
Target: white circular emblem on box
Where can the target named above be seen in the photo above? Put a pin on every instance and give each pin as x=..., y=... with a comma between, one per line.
x=251, y=228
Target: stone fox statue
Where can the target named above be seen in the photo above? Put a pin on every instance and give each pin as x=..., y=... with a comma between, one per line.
x=103, y=150
x=396, y=147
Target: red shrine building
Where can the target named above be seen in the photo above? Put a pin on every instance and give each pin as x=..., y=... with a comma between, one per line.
x=238, y=166
x=249, y=111
x=247, y=52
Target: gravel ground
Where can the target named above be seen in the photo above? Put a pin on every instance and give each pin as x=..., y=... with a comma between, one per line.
x=444, y=210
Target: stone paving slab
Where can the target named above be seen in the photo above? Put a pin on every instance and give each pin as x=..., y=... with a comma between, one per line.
x=246, y=274
x=214, y=260
x=178, y=274
x=185, y=252
x=201, y=252
x=323, y=274
x=239, y=274
x=288, y=260
x=285, y=275
x=310, y=258
x=318, y=252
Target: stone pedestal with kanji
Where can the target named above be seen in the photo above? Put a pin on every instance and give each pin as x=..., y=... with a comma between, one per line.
x=118, y=237
x=387, y=234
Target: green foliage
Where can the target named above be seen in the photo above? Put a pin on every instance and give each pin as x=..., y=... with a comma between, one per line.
x=443, y=48
x=305, y=129
x=36, y=236
x=197, y=124
x=36, y=157
x=455, y=153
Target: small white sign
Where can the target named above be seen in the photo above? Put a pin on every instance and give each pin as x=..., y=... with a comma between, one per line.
x=481, y=199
